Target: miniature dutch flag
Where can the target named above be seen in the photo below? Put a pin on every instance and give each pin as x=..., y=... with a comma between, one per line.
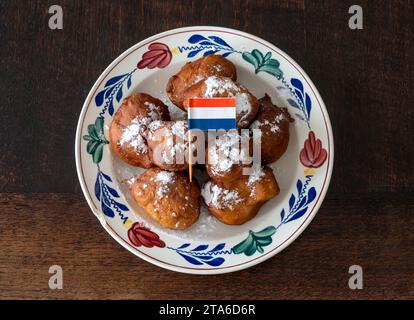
x=211, y=113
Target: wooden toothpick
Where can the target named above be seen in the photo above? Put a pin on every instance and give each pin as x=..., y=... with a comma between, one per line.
x=190, y=157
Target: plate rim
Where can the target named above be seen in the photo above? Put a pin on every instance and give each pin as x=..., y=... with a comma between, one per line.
x=182, y=269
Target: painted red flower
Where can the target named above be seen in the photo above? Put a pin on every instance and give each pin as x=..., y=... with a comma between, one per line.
x=312, y=155
x=142, y=236
x=158, y=55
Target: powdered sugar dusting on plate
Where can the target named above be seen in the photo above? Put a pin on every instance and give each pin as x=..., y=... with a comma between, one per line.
x=206, y=225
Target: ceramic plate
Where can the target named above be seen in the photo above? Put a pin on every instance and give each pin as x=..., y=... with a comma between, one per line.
x=208, y=247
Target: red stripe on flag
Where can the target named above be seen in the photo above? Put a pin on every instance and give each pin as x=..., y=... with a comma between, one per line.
x=211, y=102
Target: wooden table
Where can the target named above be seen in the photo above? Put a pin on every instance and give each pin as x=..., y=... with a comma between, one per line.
x=365, y=77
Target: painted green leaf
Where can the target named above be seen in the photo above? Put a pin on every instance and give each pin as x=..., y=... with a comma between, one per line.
x=267, y=56
x=255, y=241
x=251, y=250
x=263, y=63
x=96, y=139
x=244, y=245
x=271, y=70
x=264, y=241
x=266, y=232
x=258, y=55
x=97, y=156
x=99, y=126
x=250, y=59
x=273, y=62
x=91, y=146
x=92, y=132
x=87, y=137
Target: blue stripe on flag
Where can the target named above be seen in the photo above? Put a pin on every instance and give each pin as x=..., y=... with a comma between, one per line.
x=211, y=124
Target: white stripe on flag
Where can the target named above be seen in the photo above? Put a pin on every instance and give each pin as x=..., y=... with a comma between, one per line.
x=212, y=113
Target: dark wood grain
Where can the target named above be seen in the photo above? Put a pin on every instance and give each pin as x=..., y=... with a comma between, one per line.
x=375, y=233
x=365, y=78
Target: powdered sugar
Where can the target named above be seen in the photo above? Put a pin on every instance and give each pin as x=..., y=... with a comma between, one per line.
x=131, y=180
x=165, y=178
x=154, y=126
x=219, y=197
x=175, y=142
x=243, y=106
x=133, y=134
x=218, y=67
x=256, y=176
x=272, y=124
x=227, y=151
x=215, y=86
x=154, y=111
x=179, y=128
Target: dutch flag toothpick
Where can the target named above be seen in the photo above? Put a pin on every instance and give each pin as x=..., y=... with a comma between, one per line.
x=210, y=114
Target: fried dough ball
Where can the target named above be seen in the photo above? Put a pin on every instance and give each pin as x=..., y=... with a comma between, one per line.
x=247, y=105
x=273, y=123
x=127, y=130
x=168, y=142
x=227, y=154
x=200, y=69
x=236, y=202
x=168, y=197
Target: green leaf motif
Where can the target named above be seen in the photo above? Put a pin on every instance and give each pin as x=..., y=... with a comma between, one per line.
x=251, y=250
x=250, y=59
x=97, y=155
x=271, y=70
x=96, y=139
x=255, y=241
x=263, y=63
x=91, y=146
x=99, y=126
x=92, y=132
x=266, y=232
x=244, y=245
x=258, y=55
x=264, y=242
x=87, y=137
